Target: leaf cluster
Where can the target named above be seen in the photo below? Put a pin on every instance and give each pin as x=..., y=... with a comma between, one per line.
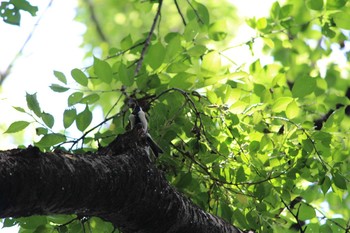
x=265, y=147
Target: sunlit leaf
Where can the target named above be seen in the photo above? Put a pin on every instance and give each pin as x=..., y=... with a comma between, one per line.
x=275, y=10
x=281, y=104
x=211, y=62
x=197, y=50
x=218, y=30
x=292, y=110
x=341, y=19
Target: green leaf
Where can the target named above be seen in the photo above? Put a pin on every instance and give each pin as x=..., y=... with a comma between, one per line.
x=48, y=119
x=326, y=184
x=261, y=23
x=201, y=15
x=286, y=11
x=124, y=77
x=84, y=119
x=292, y=110
x=69, y=117
x=275, y=10
x=218, y=30
x=126, y=42
x=339, y=181
x=211, y=62
x=90, y=99
x=182, y=80
x=10, y=13
x=103, y=70
x=80, y=77
x=240, y=175
x=341, y=19
x=185, y=180
x=315, y=4
x=191, y=30
x=335, y=4
x=303, y=86
x=41, y=131
x=60, y=76
x=33, y=104
x=173, y=48
x=20, y=109
x=17, y=126
x=49, y=140
x=197, y=50
x=9, y=222
x=254, y=146
x=75, y=98
x=25, y=6
x=306, y=212
x=155, y=55
x=58, y=88
x=281, y=104
x=177, y=67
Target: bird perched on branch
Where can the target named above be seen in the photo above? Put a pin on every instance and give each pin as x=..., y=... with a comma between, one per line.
x=138, y=116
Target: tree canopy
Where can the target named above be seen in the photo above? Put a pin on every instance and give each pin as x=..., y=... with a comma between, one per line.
x=263, y=144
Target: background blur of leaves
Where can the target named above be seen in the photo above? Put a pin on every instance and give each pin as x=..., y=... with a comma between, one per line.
x=264, y=145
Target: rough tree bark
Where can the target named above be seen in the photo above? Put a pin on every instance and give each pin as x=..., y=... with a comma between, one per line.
x=117, y=183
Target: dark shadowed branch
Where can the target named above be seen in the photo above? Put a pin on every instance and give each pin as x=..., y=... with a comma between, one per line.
x=118, y=183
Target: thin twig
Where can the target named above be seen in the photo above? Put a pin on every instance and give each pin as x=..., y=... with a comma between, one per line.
x=180, y=13
x=95, y=21
x=126, y=50
x=195, y=11
x=296, y=217
x=3, y=75
x=148, y=39
x=90, y=130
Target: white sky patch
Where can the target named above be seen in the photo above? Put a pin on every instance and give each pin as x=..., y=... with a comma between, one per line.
x=53, y=46
x=247, y=9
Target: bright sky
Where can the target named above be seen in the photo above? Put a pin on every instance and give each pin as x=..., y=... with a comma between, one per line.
x=55, y=46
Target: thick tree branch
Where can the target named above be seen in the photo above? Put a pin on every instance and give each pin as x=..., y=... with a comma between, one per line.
x=117, y=183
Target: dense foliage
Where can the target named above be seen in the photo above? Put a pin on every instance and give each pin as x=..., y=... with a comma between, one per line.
x=265, y=146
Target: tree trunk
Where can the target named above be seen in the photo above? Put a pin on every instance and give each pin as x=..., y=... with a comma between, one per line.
x=117, y=183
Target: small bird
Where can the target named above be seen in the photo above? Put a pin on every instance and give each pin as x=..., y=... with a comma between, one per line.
x=138, y=116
